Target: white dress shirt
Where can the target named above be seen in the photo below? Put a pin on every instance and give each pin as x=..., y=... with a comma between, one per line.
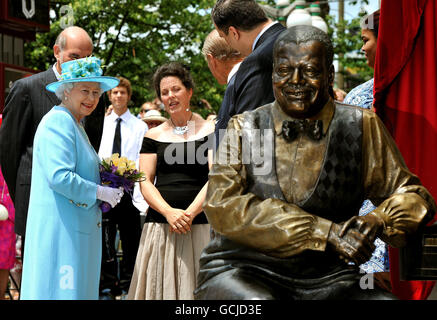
x=57, y=75
x=132, y=133
x=233, y=71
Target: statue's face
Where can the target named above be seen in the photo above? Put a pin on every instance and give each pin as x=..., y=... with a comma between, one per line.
x=301, y=78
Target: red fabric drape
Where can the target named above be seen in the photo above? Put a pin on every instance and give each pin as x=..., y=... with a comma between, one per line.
x=405, y=92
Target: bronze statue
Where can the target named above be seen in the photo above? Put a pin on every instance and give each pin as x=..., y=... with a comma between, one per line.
x=287, y=184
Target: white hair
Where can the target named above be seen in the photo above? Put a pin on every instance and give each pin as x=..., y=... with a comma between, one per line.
x=68, y=86
x=64, y=87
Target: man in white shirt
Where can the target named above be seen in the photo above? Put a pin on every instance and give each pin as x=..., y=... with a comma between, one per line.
x=122, y=133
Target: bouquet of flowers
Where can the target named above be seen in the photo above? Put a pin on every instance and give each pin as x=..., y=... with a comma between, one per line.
x=117, y=172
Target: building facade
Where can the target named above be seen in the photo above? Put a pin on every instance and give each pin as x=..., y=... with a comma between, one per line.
x=20, y=20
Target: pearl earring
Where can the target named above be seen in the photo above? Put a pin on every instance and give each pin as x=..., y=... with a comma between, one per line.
x=188, y=109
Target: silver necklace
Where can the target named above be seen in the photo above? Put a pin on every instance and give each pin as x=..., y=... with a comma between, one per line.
x=180, y=130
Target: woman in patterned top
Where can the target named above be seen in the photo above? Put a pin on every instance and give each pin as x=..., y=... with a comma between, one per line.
x=362, y=96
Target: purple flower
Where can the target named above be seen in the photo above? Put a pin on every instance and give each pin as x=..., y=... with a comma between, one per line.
x=105, y=207
x=110, y=178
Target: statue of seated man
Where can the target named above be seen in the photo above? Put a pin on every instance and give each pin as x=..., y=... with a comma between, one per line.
x=288, y=182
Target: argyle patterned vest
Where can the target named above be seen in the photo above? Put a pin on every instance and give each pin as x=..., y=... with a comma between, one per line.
x=337, y=196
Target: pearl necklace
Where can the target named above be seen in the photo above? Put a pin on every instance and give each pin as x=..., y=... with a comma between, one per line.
x=180, y=130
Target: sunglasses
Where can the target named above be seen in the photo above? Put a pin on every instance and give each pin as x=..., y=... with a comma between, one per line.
x=145, y=110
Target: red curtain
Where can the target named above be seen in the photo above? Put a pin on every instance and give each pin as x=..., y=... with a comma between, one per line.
x=405, y=92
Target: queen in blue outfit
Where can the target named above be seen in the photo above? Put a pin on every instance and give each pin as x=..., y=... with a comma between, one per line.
x=63, y=239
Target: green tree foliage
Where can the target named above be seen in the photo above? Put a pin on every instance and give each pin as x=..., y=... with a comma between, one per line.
x=134, y=37
x=346, y=38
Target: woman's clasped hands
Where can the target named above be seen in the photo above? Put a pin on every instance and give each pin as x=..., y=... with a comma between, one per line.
x=179, y=220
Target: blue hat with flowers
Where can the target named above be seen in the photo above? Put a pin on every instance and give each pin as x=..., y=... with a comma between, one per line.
x=84, y=70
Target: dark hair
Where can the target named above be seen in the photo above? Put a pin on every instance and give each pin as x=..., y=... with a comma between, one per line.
x=371, y=22
x=241, y=14
x=172, y=69
x=302, y=34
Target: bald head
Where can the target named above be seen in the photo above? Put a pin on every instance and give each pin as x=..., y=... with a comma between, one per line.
x=72, y=43
x=220, y=56
x=71, y=32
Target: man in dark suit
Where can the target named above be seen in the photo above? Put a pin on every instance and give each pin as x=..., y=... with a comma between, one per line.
x=246, y=28
x=25, y=106
x=223, y=62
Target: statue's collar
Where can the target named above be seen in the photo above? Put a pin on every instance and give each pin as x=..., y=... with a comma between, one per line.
x=326, y=115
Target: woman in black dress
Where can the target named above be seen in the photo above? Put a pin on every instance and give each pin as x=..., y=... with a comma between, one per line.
x=179, y=154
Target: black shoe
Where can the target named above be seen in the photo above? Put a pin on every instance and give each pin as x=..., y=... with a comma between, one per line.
x=116, y=291
x=106, y=294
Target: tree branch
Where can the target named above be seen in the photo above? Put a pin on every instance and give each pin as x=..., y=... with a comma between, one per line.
x=123, y=21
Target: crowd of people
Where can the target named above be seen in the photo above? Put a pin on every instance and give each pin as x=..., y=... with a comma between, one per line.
x=208, y=221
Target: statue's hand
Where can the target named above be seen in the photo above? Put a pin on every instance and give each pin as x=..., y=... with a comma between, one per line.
x=369, y=225
x=352, y=246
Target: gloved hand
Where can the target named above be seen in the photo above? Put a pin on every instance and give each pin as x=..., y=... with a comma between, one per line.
x=110, y=195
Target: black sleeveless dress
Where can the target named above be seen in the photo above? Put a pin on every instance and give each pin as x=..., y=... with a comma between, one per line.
x=181, y=171
x=167, y=263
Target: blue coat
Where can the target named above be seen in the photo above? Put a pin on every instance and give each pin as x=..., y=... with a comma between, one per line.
x=63, y=237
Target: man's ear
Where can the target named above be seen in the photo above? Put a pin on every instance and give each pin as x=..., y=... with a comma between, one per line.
x=56, y=51
x=211, y=60
x=234, y=32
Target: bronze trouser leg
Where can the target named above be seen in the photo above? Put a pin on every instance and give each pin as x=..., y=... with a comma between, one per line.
x=234, y=284
x=243, y=284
